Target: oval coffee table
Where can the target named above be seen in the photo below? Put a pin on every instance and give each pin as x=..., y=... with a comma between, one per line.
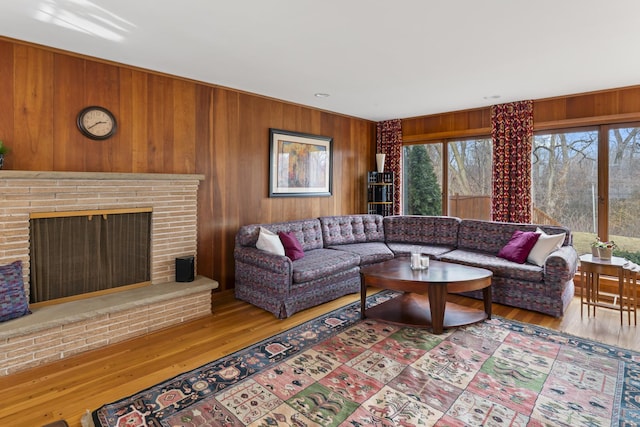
x=424, y=302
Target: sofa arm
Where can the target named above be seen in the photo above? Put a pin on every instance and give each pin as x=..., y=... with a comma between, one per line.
x=561, y=265
x=276, y=263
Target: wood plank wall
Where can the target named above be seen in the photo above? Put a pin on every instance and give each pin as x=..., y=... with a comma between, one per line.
x=172, y=125
x=608, y=106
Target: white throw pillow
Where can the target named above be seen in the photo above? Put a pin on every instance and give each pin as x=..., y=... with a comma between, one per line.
x=546, y=244
x=270, y=242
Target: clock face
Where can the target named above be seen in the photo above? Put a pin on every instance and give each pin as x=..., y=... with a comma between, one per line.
x=96, y=123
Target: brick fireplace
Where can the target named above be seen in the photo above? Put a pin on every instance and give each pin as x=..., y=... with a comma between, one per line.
x=173, y=200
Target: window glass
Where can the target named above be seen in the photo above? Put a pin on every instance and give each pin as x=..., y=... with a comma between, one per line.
x=624, y=191
x=470, y=178
x=422, y=179
x=564, y=177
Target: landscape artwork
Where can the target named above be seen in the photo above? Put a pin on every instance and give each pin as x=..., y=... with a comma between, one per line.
x=300, y=164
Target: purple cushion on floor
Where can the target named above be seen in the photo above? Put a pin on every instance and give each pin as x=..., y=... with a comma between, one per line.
x=518, y=248
x=292, y=247
x=13, y=300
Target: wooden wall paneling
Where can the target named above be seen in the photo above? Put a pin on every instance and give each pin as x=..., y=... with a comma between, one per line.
x=252, y=152
x=457, y=124
x=184, y=124
x=606, y=103
x=310, y=120
x=230, y=178
x=102, y=88
x=315, y=123
x=135, y=120
x=291, y=117
x=221, y=203
x=7, y=100
x=480, y=118
x=166, y=135
x=295, y=118
x=331, y=126
x=69, y=98
x=171, y=125
x=33, y=109
x=209, y=202
x=361, y=159
x=349, y=174
x=611, y=106
x=410, y=127
x=549, y=110
x=124, y=143
x=159, y=123
x=580, y=106
x=630, y=100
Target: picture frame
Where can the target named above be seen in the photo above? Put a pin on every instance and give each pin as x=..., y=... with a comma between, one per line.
x=300, y=164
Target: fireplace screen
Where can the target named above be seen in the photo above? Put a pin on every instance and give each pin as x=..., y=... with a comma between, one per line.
x=80, y=254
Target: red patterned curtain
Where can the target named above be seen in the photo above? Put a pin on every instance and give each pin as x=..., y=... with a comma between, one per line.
x=512, y=133
x=389, y=142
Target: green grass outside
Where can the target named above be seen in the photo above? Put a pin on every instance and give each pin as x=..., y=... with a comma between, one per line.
x=628, y=247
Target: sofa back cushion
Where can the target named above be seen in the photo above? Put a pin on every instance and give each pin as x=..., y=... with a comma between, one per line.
x=344, y=229
x=491, y=236
x=306, y=231
x=432, y=230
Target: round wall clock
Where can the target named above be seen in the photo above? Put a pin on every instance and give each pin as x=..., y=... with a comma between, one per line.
x=97, y=122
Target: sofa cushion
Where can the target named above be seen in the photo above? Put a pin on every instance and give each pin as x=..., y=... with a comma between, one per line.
x=13, y=299
x=490, y=236
x=405, y=249
x=546, y=244
x=270, y=242
x=340, y=230
x=517, y=249
x=498, y=266
x=369, y=253
x=322, y=262
x=307, y=231
x=292, y=248
x=428, y=230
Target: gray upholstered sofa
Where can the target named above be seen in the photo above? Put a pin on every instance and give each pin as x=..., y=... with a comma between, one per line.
x=547, y=289
x=336, y=246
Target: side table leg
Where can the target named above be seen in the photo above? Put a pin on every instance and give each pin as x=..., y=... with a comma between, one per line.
x=363, y=296
x=583, y=284
x=437, y=305
x=595, y=291
x=621, y=296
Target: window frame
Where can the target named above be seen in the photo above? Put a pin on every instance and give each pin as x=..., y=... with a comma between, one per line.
x=444, y=146
x=602, y=195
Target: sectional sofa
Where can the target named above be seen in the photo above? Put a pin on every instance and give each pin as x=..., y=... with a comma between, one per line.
x=336, y=246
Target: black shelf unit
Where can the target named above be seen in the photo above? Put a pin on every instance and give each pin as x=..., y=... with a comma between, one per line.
x=380, y=193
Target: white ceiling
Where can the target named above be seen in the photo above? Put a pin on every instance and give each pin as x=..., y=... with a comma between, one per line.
x=378, y=59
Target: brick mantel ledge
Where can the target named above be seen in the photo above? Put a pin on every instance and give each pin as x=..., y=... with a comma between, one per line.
x=15, y=174
x=55, y=332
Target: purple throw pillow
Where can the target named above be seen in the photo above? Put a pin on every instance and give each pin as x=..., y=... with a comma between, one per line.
x=518, y=248
x=13, y=300
x=292, y=248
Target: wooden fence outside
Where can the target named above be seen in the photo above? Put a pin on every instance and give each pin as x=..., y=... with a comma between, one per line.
x=479, y=207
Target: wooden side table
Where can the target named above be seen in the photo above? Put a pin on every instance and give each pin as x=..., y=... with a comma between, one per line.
x=591, y=268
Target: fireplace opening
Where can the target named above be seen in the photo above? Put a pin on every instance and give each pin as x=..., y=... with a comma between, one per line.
x=81, y=253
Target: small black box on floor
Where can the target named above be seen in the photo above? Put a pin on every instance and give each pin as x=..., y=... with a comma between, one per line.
x=184, y=269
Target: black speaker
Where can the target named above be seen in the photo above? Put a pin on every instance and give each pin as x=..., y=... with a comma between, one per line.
x=185, y=269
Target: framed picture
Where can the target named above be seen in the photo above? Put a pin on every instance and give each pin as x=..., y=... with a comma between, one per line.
x=300, y=165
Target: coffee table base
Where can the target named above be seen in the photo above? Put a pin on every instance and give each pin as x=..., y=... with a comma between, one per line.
x=413, y=310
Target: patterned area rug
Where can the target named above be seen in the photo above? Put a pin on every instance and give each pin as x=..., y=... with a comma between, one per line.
x=339, y=371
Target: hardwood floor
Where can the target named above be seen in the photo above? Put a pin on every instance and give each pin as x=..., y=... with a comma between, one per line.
x=66, y=389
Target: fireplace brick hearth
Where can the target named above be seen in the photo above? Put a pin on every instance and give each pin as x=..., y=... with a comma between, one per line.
x=47, y=335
